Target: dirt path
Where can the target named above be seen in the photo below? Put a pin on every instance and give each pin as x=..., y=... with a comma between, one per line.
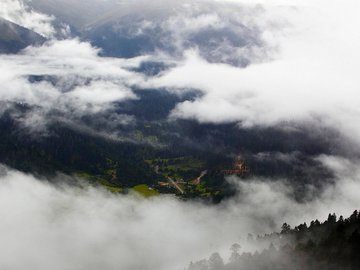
x=197, y=181
x=176, y=185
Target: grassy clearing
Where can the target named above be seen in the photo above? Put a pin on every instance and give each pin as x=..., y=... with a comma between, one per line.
x=145, y=191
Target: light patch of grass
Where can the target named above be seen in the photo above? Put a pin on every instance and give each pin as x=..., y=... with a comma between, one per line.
x=145, y=191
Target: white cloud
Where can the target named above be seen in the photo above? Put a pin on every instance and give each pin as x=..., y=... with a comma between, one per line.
x=100, y=93
x=223, y=32
x=79, y=82
x=86, y=228
x=312, y=74
x=303, y=68
x=18, y=12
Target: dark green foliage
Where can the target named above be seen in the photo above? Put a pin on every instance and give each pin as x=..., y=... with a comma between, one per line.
x=331, y=245
x=72, y=152
x=75, y=148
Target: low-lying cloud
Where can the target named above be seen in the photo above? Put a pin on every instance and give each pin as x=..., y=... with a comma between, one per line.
x=311, y=76
x=18, y=12
x=62, y=227
x=67, y=78
x=296, y=65
x=222, y=33
x=304, y=70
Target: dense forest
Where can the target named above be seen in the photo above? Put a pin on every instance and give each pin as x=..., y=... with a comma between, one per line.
x=333, y=244
x=183, y=148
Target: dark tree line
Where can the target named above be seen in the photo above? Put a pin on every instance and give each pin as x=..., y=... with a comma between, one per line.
x=333, y=244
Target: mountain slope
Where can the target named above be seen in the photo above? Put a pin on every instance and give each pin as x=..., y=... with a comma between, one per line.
x=78, y=14
x=14, y=38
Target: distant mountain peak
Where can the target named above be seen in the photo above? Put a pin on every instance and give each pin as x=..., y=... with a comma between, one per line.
x=14, y=38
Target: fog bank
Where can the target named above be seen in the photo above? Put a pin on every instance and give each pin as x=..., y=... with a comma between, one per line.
x=62, y=227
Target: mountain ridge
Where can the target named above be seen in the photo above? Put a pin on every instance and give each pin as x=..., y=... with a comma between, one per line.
x=14, y=38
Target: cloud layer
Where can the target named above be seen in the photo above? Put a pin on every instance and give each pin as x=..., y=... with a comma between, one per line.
x=18, y=12
x=296, y=62
x=311, y=76
x=66, y=78
x=303, y=70
x=62, y=227
x=224, y=33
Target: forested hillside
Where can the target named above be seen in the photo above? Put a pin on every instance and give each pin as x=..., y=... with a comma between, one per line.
x=333, y=244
